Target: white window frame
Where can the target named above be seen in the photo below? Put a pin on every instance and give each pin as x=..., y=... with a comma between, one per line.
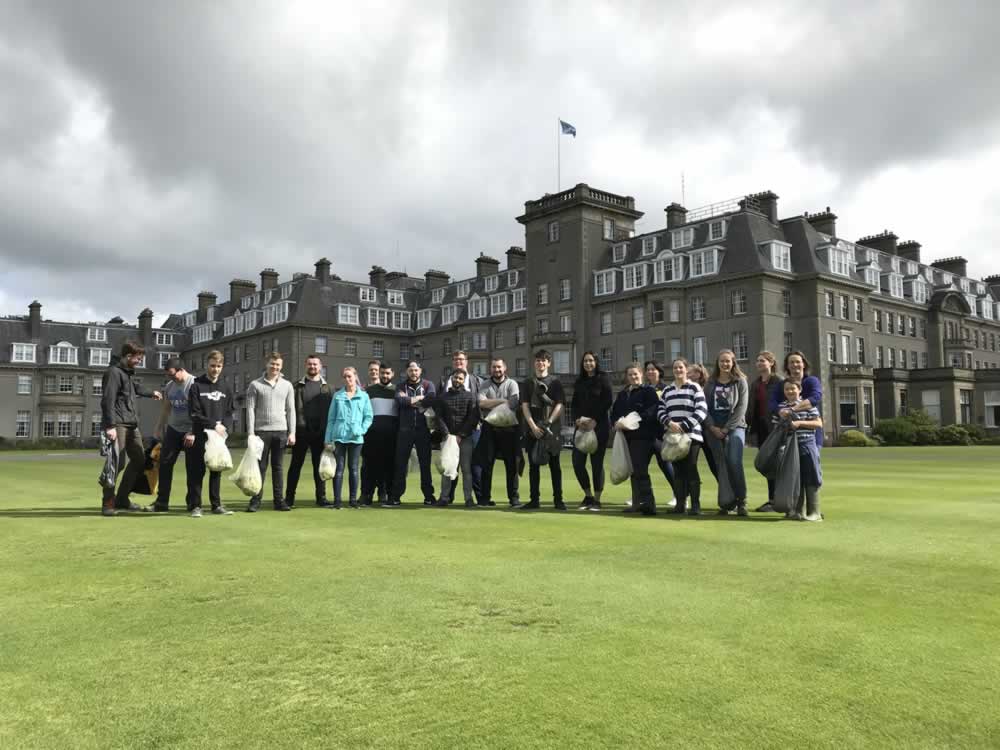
x=722, y=226
x=400, y=320
x=462, y=290
x=649, y=245
x=477, y=308
x=518, y=300
x=872, y=277
x=699, y=262
x=895, y=282
x=229, y=326
x=552, y=231
x=698, y=309
x=781, y=256
x=607, y=322
x=542, y=294
x=512, y=278
x=367, y=294
x=24, y=384
x=23, y=417
x=840, y=261
x=164, y=339
x=437, y=295
x=348, y=315
x=604, y=282
x=565, y=290
x=395, y=297
x=98, y=335
x=740, y=347
x=449, y=314
x=634, y=276
x=499, y=304
x=681, y=238
x=100, y=357
x=492, y=283
x=377, y=317
x=424, y=319
x=286, y=290
x=190, y=319
x=619, y=252
x=667, y=260
x=23, y=352
x=608, y=229
x=738, y=301
x=64, y=353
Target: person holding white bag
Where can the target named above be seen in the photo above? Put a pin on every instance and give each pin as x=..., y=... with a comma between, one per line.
x=211, y=404
x=499, y=441
x=682, y=410
x=639, y=398
x=457, y=413
x=591, y=403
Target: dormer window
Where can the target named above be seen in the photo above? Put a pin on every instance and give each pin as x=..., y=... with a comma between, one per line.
x=246, y=302
x=716, y=229
x=604, y=282
x=63, y=353
x=911, y=268
x=190, y=319
x=394, y=297
x=635, y=276
x=463, y=289
x=841, y=262
x=704, y=262
x=618, y=252
x=367, y=294
x=347, y=315
x=518, y=302
x=477, y=308
x=668, y=267
x=981, y=289
x=781, y=255
x=872, y=276
x=681, y=238
x=894, y=262
x=947, y=279
x=449, y=314
x=512, y=278
x=491, y=283
x=378, y=318
x=964, y=285
x=23, y=353
x=437, y=295
x=97, y=334
x=286, y=291
x=649, y=245
x=896, y=285
x=499, y=304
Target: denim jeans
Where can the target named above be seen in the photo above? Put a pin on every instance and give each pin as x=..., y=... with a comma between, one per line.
x=348, y=454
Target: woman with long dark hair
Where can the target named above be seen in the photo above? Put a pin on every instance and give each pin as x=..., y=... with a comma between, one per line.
x=725, y=430
x=811, y=396
x=766, y=384
x=682, y=410
x=640, y=398
x=590, y=405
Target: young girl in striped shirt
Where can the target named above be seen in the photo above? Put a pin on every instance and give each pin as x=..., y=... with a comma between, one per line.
x=683, y=409
x=805, y=422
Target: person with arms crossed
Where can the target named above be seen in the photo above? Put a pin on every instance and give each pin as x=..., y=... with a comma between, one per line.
x=413, y=433
x=312, y=406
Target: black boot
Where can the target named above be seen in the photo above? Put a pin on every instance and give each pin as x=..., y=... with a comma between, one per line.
x=695, y=509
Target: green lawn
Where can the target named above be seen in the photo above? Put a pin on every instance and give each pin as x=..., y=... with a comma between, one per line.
x=451, y=628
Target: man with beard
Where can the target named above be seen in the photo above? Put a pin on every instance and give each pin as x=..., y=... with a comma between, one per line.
x=379, y=451
x=312, y=404
x=413, y=433
x=499, y=442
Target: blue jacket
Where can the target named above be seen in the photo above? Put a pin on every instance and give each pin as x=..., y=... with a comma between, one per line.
x=349, y=418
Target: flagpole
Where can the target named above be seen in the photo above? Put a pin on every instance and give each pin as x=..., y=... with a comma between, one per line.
x=558, y=155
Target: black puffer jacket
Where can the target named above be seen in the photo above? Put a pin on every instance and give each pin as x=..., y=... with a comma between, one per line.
x=458, y=413
x=118, y=399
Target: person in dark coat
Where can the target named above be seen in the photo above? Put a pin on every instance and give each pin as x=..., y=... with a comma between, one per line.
x=457, y=413
x=120, y=425
x=590, y=405
x=640, y=398
x=313, y=396
x=413, y=433
x=542, y=400
x=763, y=389
x=211, y=403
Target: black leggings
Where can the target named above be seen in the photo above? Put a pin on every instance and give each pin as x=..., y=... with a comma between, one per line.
x=596, y=465
x=687, y=481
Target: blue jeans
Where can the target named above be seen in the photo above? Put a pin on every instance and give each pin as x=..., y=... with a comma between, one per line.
x=350, y=454
x=733, y=448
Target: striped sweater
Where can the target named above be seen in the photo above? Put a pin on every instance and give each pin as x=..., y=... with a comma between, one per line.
x=686, y=406
x=804, y=436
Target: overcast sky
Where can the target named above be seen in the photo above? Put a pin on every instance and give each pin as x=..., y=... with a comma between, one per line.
x=150, y=150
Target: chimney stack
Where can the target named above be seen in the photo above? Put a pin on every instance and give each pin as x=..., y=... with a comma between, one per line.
x=909, y=250
x=323, y=271
x=35, y=320
x=376, y=277
x=486, y=266
x=268, y=279
x=767, y=202
x=516, y=257
x=146, y=325
x=824, y=222
x=676, y=215
x=240, y=288
x=993, y=284
x=884, y=241
x=434, y=279
x=205, y=301
x=956, y=265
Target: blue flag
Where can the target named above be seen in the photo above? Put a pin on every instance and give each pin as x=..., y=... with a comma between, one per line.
x=567, y=129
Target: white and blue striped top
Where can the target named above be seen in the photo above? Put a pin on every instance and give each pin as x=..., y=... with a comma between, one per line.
x=686, y=406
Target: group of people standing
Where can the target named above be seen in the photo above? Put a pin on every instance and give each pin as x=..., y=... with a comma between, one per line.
x=372, y=429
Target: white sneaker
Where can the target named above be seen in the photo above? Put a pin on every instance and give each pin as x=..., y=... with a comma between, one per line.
x=672, y=503
x=628, y=503
x=196, y=513
x=812, y=517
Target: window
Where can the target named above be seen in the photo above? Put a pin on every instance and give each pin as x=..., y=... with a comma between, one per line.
x=657, y=307
x=498, y=338
x=786, y=303
x=890, y=323
x=830, y=309
x=859, y=310
x=350, y=347
x=867, y=397
x=841, y=261
x=449, y=314
x=675, y=349
x=845, y=348
x=479, y=369
x=913, y=360
x=659, y=350
x=923, y=360
x=609, y=229
x=97, y=334
x=859, y=344
x=992, y=400
x=681, y=238
x=845, y=307
x=675, y=311
x=700, y=349
x=520, y=335
x=23, y=353
x=717, y=229
x=394, y=297
x=896, y=285
x=697, y=308
x=606, y=319
x=401, y=320
x=638, y=317
x=378, y=348
x=367, y=294
x=518, y=302
x=607, y=359
x=437, y=295
x=492, y=282
x=878, y=320
x=553, y=231
x=781, y=256
x=48, y=425
x=542, y=294
x=831, y=347
x=618, y=252
x=911, y=326
x=463, y=289
x=930, y=402
x=49, y=384
x=879, y=356
x=246, y=302
x=565, y=322
x=704, y=262
x=377, y=317
x=891, y=353
x=902, y=359
x=95, y=425
x=446, y=347
x=479, y=341
x=347, y=315
x=848, y=407
x=902, y=326
x=639, y=353
x=560, y=361
x=498, y=304
x=424, y=318
x=190, y=319
x=740, y=348
x=63, y=353
x=164, y=356
x=24, y=385
x=210, y=312
x=286, y=290
x=22, y=427
x=635, y=276
x=521, y=367
x=542, y=324
x=100, y=357
x=604, y=283
x=64, y=425
x=787, y=340
x=512, y=278
x=918, y=290
x=649, y=245
x=565, y=290
x=65, y=383
x=738, y=302
x=319, y=345
x=872, y=276
x=477, y=308
x=669, y=268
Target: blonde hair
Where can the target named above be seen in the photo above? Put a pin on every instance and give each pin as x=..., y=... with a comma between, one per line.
x=736, y=371
x=216, y=356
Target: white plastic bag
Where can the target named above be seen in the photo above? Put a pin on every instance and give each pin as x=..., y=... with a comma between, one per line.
x=675, y=446
x=449, y=457
x=585, y=441
x=502, y=416
x=247, y=475
x=431, y=419
x=217, y=456
x=630, y=421
x=327, y=465
x=621, y=460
